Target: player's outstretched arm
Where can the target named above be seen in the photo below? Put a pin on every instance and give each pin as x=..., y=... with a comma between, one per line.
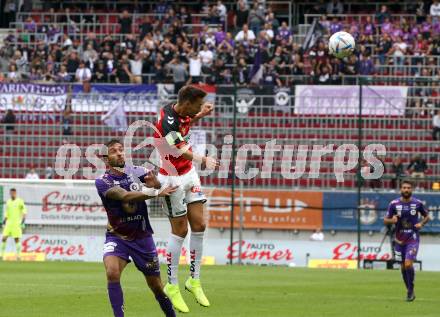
x=209, y=162
x=150, y=180
x=207, y=109
x=118, y=193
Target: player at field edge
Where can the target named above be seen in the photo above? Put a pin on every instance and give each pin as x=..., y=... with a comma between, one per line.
x=14, y=222
x=123, y=190
x=185, y=205
x=404, y=213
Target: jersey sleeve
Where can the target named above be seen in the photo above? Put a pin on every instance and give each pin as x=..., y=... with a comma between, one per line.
x=8, y=211
x=422, y=210
x=391, y=211
x=140, y=172
x=23, y=207
x=103, y=185
x=170, y=128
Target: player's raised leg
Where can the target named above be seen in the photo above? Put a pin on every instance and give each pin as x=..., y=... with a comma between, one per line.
x=113, y=267
x=198, y=226
x=179, y=230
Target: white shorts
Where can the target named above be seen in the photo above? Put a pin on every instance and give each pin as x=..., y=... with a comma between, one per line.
x=189, y=191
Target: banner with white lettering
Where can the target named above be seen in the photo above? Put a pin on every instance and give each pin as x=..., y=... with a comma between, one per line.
x=267, y=209
x=344, y=100
x=32, y=97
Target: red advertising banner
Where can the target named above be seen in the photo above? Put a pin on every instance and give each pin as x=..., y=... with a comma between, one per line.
x=266, y=209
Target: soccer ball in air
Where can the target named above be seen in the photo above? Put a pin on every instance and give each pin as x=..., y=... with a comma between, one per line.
x=341, y=44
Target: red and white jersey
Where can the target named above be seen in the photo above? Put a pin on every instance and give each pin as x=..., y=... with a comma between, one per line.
x=173, y=129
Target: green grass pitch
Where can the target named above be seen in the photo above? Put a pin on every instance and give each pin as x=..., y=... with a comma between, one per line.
x=65, y=289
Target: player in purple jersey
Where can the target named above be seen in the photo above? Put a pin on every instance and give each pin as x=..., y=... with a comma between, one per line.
x=123, y=190
x=405, y=213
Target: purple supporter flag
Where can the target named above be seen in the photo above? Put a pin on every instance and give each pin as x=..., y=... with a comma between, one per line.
x=377, y=100
x=257, y=69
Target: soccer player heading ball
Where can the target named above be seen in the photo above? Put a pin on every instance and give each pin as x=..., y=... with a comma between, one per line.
x=123, y=190
x=404, y=213
x=186, y=203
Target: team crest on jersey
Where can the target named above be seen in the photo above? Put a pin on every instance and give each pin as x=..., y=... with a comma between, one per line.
x=413, y=209
x=185, y=130
x=134, y=187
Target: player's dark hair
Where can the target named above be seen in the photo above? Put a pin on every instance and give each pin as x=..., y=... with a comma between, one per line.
x=190, y=93
x=406, y=182
x=12, y=190
x=109, y=144
x=112, y=142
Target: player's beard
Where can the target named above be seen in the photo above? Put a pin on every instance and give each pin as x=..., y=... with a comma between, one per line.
x=406, y=195
x=119, y=166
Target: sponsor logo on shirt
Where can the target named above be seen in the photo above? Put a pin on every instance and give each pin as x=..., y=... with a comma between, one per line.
x=132, y=218
x=196, y=189
x=399, y=210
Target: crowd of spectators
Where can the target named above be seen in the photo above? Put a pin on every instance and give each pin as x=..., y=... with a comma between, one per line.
x=168, y=50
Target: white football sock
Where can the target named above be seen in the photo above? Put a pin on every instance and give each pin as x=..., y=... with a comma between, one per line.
x=174, y=250
x=195, y=253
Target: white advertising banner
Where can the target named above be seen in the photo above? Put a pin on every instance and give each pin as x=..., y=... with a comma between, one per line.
x=283, y=252
x=60, y=205
x=344, y=100
x=62, y=247
x=254, y=252
x=32, y=97
x=296, y=253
